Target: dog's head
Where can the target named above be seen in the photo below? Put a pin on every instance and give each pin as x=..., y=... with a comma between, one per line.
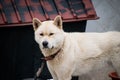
x=49, y=34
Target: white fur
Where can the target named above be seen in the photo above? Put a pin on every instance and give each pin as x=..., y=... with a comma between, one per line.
x=81, y=53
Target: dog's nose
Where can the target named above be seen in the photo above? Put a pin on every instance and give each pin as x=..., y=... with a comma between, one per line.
x=45, y=44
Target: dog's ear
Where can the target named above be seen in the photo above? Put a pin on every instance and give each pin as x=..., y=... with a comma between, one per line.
x=36, y=23
x=58, y=22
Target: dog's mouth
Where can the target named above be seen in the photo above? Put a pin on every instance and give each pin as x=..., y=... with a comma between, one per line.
x=47, y=48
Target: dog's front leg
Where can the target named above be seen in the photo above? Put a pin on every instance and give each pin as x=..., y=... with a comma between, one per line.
x=53, y=75
x=63, y=76
x=51, y=69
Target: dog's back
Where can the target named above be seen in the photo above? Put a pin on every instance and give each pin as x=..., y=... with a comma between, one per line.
x=92, y=44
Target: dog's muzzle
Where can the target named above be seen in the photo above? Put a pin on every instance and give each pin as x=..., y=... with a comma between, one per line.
x=45, y=44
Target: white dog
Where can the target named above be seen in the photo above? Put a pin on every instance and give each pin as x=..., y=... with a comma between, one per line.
x=76, y=54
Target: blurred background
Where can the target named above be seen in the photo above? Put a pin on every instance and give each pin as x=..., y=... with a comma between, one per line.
x=109, y=13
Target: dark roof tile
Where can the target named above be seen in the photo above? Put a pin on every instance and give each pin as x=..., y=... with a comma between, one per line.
x=21, y=12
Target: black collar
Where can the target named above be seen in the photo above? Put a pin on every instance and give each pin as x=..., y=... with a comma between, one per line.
x=51, y=57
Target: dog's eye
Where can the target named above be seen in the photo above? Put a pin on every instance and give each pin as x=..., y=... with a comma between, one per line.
x=51, y=34
x=41, y=34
